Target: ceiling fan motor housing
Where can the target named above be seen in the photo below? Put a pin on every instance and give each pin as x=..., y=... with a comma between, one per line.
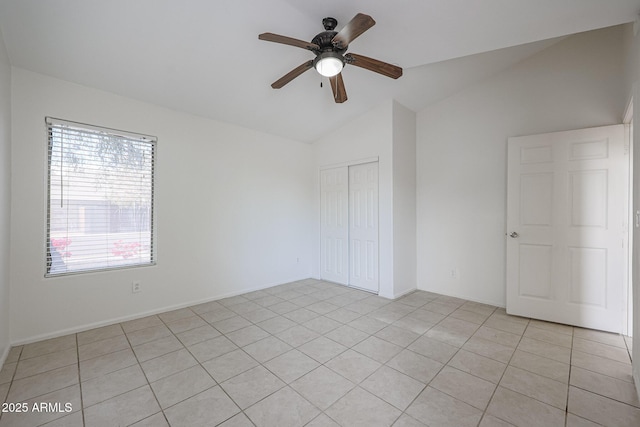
x=324, y=41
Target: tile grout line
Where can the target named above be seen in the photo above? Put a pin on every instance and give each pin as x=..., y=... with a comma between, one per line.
x=566, y=406
x=403, y=412
x=80, y=380
x=266, y=368
x=12, y=378
x=444, y=365
x=130, y=346
x=369, y=335
x=321, y=364
x=484, y=413
x=199, y=363
x=145, y=377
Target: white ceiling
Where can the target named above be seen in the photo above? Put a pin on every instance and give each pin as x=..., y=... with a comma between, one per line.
x=204, y=57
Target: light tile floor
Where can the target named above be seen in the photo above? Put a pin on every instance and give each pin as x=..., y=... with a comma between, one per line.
x=318, y=354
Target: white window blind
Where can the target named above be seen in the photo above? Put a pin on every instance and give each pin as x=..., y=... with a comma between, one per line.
x=100, y=210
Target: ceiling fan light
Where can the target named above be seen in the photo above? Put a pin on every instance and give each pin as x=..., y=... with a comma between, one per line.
x=329, y=65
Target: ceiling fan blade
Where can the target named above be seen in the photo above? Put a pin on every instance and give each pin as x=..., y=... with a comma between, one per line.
x=292, y=74
x=358, y=25
x=374, y=65
x=337, y=86
x=276, y=38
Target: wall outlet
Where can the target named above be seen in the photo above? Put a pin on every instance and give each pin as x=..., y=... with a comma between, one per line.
x=135, y=287
x=454, y=273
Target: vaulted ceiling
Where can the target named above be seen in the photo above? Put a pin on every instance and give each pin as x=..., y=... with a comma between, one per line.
x=204, y=57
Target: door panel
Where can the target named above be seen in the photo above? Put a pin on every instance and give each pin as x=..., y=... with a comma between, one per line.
x=334, y=226
x=363, y=226
x=566, y=202
x=536, y=267
x=588, y=192
x=588, y=276
x=536, y=192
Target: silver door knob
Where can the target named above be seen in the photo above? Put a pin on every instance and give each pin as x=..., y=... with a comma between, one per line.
x=513, y=235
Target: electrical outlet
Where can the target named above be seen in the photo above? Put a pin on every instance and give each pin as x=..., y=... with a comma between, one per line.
x=135, y=287
x=455, y=273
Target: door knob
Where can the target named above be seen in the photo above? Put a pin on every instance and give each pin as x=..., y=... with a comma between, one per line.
x=513, y=235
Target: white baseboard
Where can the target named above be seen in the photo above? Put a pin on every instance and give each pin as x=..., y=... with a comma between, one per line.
x=465, y=297
x=391, y=297
x=401, y=294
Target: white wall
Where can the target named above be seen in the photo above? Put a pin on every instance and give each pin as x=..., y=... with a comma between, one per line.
x=404, y=200
x=234, y=211
x=461, y=154
x=5, y=198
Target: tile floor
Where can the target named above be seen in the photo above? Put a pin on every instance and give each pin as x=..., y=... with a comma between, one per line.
x=318, y=354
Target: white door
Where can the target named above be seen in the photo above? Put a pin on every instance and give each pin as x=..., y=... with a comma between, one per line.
x=363, y=226
x=566, y=224
x=334, y=225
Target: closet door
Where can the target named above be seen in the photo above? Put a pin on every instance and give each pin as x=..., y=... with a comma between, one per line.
x=334, y=226
x=363, y=226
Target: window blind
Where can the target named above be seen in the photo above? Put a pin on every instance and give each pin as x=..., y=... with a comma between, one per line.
x=100, y=198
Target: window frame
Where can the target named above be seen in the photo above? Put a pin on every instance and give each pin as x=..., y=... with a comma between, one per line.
x=152, y=140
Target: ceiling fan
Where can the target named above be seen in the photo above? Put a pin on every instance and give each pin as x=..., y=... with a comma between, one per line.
x=330, y=49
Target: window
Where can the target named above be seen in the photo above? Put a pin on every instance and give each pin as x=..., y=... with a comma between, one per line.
x=100, y=193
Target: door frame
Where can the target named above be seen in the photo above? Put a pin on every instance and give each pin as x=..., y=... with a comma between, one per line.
x=349, y=163
x=631, y=221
